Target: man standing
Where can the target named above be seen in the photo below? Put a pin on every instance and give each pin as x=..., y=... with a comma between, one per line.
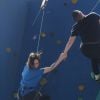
x=87, y=27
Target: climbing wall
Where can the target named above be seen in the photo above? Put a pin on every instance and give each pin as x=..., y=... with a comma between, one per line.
x=19, y=37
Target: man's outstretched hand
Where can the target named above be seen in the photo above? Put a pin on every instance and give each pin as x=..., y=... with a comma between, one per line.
x=64, y=55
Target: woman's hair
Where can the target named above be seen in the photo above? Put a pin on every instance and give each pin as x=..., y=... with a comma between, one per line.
x=31, y=58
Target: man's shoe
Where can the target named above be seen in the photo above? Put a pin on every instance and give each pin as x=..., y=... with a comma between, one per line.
x=95, y=77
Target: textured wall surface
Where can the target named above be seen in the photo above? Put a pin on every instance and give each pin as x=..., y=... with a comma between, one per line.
x=72, y=80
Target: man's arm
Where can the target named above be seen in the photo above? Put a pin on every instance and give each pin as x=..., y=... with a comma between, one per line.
x=64, y=54
x=69, y=44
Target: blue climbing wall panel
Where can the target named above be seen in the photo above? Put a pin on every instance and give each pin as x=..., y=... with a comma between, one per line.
x=72, y=80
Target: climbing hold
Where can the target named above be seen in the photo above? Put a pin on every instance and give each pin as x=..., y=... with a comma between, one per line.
x=80, y=98
x=65, y=3
x=58, y=42
x=52, y=34
x=8, y=50
x=43, y=81
x=34, y=37
x=74, y=1
x=81, y=87
x=43, y=35
x=16, y=55
x=16, y=95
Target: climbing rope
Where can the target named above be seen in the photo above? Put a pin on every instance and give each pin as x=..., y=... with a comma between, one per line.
x=36, y=17
x=95, y=6
x=42, y=8
x=39, y=38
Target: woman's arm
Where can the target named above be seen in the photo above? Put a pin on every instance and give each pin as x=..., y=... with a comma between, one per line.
x=49, y=69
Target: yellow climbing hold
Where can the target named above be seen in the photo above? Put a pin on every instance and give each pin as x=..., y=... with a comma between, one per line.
x=43, y=35
x=74, y=1
x=43, y=81
x=81, y=87
x=8, y=50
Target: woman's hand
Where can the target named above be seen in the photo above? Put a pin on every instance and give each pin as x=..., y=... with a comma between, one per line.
x=61, y=58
